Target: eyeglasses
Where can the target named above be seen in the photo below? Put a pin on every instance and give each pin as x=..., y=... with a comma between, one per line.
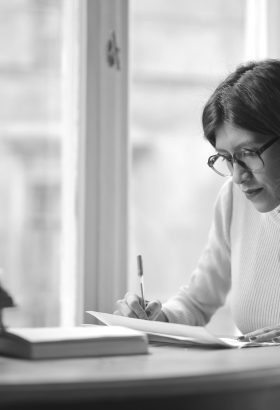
x=248, y=159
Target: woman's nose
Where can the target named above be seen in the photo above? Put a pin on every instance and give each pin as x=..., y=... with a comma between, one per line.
x=239, y=173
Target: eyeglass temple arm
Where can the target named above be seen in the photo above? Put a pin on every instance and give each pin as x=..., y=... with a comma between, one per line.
x=267, y=145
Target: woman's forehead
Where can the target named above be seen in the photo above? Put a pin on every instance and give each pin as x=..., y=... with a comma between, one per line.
x=230, y=138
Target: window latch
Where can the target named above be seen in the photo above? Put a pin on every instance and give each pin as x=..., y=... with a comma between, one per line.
x=113, y=52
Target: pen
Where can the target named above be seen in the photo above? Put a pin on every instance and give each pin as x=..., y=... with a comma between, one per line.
x=141, y=276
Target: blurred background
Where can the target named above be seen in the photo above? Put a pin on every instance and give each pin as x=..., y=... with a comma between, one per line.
x=179, y=51
x=30, y=157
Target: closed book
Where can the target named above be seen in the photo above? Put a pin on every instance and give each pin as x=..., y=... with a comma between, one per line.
x=62, y=342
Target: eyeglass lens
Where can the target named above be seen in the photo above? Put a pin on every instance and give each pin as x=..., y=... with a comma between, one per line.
x=248, y=159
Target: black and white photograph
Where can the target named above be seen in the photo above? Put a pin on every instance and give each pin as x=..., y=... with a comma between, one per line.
x=139, y=204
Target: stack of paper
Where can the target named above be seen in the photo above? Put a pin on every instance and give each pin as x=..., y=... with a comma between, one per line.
x=173, y=333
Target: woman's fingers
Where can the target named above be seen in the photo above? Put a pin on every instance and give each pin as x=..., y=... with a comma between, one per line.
x=256, y=333
x=153, y=309
x=133, y=301
x=124, y=310
x=130, y=306
x=266, y=337
x=267, y=334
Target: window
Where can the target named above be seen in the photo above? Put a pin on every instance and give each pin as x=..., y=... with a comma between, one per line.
x=63, y=147
x=34, y=149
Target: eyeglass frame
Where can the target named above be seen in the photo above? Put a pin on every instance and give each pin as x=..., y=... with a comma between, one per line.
x=234, y=159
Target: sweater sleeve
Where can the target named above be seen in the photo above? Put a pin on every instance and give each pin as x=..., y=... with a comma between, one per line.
x=209, y=284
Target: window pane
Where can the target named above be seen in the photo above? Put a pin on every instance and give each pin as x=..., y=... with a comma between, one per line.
x=31, y=151
x=180, y=50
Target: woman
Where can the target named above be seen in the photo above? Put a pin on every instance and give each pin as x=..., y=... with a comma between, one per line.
x=242, y=122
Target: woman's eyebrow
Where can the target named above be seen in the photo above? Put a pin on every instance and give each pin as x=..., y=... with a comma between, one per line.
x=248, y=145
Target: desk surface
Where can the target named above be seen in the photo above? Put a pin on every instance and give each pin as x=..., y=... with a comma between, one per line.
x=244, y=378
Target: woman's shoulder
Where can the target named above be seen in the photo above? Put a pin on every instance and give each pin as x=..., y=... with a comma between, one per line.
x=226, y=193
x=231, y=200
x=229, y=192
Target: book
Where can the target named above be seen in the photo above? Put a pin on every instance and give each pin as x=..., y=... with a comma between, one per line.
x=173, y=333
x=62, y=342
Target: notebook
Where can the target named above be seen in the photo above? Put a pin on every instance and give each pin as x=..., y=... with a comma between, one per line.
x=59, y=342
x=173, y=333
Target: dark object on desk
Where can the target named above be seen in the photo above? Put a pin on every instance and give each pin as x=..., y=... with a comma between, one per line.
x=59, y=342
x=6, y=301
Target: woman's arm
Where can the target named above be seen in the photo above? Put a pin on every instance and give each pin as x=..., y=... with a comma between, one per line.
x=210, y=282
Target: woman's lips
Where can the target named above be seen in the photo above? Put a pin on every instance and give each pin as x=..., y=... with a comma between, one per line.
x=252, y=193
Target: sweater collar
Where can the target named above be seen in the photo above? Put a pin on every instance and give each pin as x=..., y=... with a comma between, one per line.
x=275, y=214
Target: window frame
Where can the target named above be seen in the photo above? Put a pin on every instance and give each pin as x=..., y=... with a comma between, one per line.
x=102, y=197
x=262, y=29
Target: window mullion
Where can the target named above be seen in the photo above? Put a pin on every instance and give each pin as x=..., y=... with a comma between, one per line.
x=103, y=203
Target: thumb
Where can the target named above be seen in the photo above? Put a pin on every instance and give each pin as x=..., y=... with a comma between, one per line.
x=153, y=309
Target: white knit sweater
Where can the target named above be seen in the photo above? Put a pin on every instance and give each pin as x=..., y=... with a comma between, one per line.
x=242, y=254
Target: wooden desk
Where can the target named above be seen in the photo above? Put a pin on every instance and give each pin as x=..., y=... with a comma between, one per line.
x=175, y=378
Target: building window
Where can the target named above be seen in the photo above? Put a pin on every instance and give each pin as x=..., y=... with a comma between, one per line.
x=33, y=141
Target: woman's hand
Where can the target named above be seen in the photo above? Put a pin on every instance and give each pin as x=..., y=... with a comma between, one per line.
x=130, y=306
x=266, y=334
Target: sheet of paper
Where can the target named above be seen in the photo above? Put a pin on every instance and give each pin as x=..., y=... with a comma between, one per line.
x=195, y=333
x=169, y=332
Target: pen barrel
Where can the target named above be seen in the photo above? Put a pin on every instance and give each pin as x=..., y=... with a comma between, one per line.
x=140, y=266
x=141, y=276
x=142, y=293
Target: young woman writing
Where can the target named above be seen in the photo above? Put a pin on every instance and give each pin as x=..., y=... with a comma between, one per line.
x=242, y=122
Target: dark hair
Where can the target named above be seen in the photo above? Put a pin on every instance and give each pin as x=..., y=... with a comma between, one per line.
x=248, y=98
